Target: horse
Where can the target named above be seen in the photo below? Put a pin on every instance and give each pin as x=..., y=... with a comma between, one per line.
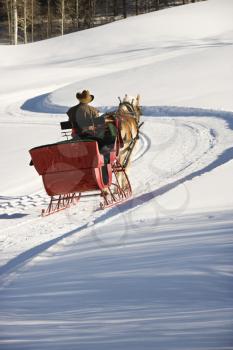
x=128, y=116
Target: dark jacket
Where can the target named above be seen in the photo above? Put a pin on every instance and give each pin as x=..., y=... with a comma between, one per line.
x=82, y=117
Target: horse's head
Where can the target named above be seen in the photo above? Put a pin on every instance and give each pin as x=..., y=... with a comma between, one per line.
x=126, y=118
x=130, y=105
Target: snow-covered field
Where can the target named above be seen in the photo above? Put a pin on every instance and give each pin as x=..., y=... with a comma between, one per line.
x=157, y=271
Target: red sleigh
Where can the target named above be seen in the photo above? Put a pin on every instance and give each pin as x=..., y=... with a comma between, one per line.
x=72, y=169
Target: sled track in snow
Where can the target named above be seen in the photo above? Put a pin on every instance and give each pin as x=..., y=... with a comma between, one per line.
x=20, y=205
x=201, y=155
x=195, y=129
x=143, y=146
x=190, y=145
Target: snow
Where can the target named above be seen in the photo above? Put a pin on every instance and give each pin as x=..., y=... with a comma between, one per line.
x=156, y=271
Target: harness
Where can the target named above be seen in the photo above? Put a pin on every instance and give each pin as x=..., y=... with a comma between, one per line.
x=118, y=119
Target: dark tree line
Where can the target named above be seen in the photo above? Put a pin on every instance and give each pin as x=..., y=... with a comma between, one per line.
x=31, y=20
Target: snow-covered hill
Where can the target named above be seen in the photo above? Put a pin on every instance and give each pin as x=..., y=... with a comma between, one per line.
x=155, y=272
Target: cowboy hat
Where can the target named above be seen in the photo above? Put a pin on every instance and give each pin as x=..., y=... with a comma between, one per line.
x=85, y=96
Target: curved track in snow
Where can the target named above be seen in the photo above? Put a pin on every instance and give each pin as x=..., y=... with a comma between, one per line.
x=170, y=150
x=151, y=150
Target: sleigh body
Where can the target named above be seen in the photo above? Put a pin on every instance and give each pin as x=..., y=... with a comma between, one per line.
x=73, y=168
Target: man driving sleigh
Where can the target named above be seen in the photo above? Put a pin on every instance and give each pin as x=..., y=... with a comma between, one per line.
x=82, y=116
x=88, y=124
